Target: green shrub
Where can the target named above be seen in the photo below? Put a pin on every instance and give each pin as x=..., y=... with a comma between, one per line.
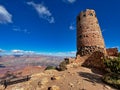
x=62, y=66
x=50, y=67
x=119, y=54
x=112, y=79
x=112, y=65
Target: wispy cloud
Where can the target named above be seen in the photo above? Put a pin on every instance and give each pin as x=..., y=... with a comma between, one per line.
x=103, y=30
x=5, y=16
x=43, y=11
x=69, y=1
x=72, y=26
x=113, y=47
x=1, y=50
x=30, y=52
x=16, y=51
x=22, y=52
x=70, y=53
x=18, y=29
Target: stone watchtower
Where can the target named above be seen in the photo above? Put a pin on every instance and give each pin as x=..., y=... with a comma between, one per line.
x=89, y=36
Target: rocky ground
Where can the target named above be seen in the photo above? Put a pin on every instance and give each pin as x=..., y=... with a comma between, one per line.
x=80, y=78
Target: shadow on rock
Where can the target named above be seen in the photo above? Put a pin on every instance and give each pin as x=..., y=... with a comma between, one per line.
x=94, y=78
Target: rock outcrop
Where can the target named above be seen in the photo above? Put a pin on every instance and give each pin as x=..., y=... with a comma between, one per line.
x=112, y=51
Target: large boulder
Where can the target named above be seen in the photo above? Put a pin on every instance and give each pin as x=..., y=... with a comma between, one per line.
x=95, y=60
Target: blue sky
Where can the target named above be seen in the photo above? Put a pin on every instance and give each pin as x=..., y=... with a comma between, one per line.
x=49, y=26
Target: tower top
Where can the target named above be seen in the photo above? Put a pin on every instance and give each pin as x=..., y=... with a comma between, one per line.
x=87, y=12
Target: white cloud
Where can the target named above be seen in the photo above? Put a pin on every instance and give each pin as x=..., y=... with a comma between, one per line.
x=70, y=53
x=43, y=11
x=17, y=51
x=5, y=16
x=29, y=52
x=18, y=29
x=69, y=1
x=103, y=30
x=71, y=27
x=22, y=52
x=1, y=50
x=113, y=47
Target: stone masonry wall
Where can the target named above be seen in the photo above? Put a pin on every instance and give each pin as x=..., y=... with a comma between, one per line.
x=112, y=51
x=89, y=36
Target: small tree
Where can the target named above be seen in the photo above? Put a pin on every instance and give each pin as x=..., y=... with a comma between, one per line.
x=63, y=65
x=113, y=65
x=50, y=67
x=119, y=54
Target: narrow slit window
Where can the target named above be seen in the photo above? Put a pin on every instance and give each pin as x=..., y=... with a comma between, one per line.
x=91, y=14
x=84, y=15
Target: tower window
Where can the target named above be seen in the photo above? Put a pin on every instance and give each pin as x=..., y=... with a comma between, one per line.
x=80, y=36
x=85, y=35
x=78, y=18
x=84, y=15
x=80, y=27
x=91, y=14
